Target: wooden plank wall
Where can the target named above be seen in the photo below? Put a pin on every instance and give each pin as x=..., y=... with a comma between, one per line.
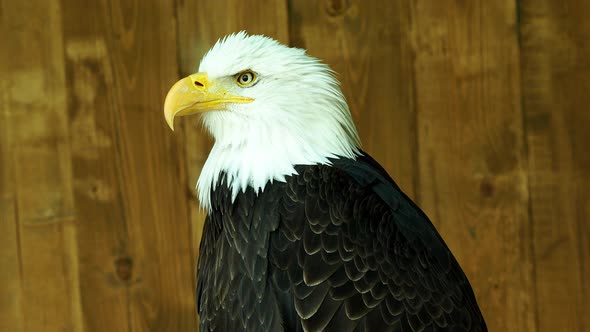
x=477, y=108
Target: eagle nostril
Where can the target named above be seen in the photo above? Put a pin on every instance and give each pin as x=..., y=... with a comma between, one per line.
x=197, y=83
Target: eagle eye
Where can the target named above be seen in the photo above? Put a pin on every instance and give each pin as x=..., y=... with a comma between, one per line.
x=245, y=78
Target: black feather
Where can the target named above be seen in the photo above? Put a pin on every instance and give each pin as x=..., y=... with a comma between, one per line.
x=335, y=247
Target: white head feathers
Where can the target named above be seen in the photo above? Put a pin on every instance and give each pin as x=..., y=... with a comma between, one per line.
x=298, y=116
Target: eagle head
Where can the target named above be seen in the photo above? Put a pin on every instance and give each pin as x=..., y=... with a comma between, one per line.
x=268, y=107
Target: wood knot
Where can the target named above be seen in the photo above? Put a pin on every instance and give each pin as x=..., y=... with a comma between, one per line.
x=337, y=7
x=124, y=268
x=486, y=188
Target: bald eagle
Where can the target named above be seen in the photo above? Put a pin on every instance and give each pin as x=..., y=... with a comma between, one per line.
x=305, y=231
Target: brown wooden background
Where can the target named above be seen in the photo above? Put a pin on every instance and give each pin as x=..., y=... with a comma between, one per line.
x=478, y=108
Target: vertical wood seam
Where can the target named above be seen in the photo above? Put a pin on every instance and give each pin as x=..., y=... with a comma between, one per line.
x=119, y=150
x=527, y=165
x=115, y=124
x=289, y=9
x=584, y=320
x=18, y=236
x=71, y=273
x=19, y=249
x=178, y=41
x=416, y=181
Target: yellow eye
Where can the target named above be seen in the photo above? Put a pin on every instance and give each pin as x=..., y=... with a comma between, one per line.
x=245, y=78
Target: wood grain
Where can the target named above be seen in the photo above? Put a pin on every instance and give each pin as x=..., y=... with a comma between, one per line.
x=39, y=200
x=369, y=46
x=134, y=230
x=472, y=161
x=155, y=262
x=102, y=228
x=556, y=66
x=478, y=109
x=11, y=314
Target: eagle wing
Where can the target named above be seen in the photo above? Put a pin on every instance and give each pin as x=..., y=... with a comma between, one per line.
x=353, y=253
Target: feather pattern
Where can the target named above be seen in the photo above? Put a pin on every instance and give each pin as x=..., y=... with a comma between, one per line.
x=334, y=247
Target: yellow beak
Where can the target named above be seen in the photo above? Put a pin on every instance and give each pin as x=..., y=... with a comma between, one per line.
x=196, y=94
